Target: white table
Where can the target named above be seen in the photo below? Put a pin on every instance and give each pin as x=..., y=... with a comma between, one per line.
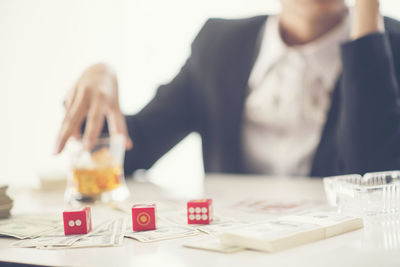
x=343, y=250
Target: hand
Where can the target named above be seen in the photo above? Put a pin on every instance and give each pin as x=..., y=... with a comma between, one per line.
x=367, y=18
x=95, y=95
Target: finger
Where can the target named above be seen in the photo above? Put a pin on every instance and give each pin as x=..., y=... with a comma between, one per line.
x=117, y=125
x=70, y=97
x=62, y=139
x=72, y=120
x=76, y=133
x=94, y=124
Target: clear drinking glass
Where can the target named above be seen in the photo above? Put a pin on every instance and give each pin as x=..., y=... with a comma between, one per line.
x=98, y=174
x=375, y=197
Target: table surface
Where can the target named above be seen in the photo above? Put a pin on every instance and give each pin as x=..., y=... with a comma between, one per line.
x=343, y=250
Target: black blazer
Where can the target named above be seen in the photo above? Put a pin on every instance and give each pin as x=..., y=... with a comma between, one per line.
x=361, y=134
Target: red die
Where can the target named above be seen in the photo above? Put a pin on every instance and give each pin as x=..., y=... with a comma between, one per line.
x=77, y=222
x=200, y=211
x=143, y=217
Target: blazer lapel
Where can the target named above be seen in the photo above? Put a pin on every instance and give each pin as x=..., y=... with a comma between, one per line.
x=234, y=84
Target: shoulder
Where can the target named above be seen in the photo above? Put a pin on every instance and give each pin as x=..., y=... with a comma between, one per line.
x=218, y=30
x=392, y=26
x=220, y=24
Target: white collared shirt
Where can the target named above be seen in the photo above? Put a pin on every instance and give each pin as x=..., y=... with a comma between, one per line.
x=288, y=100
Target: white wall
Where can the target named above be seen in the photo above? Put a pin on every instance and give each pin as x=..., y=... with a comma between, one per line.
x=45, y=44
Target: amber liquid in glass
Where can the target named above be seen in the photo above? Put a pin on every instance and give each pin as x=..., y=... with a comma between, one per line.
x=105, y=176
x=96, y=181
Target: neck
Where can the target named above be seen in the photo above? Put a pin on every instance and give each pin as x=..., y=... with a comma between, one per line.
x=296, y=30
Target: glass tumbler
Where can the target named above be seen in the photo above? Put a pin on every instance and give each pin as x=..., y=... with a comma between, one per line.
x=98, y=174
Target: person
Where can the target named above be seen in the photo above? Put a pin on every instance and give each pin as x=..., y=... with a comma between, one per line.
x=311, y=91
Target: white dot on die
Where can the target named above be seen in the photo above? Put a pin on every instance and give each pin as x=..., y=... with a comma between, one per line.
x=204, y=210
x=191, y=216
x=198, y=210
x=71, y=223
x=191, y=209
x=198, y=217
x=78, y=222
x=204, y=217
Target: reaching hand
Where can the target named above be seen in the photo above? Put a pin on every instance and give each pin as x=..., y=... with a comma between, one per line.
x=95, y=95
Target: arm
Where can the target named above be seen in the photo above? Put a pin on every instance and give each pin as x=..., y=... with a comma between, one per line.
x=177, y=109
x=368, y=133
x=367, y=18
x=164, y=121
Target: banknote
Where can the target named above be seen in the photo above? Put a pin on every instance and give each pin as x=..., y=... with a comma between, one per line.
x=4, y=199
x=3, y=189
x=45, y=218
x=23, y=228
x=53, y=239
x=163, y=232
x=4, y=214
x=219, y=223
x=109, y=233
x=220, y=227
x=212, y=244
x=180, y=217
x=6, y=203
x=273, y=206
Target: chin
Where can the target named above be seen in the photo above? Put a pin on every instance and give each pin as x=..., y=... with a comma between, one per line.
x=314, y=10
x=320, y=9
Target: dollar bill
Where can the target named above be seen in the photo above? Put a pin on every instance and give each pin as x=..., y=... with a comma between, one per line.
x=4, y=214
x=212, y=244
x=163, y=232
x=220, y=227
x=180, y=218
x=4, y=200
x=53, y=239
x=110, y=233
x=219, y=223
x=3, y=189
x=23, y=228
x=6, y=203
x=120, y=230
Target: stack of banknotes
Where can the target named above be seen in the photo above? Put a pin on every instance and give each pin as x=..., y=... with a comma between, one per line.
x=6, y=203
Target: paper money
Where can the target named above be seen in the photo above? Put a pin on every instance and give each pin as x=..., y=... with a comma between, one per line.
x=180, y=218
x=219, y=227
x=212, y=244
x=110, y=233
x=6, y=203
x=53, y=239
x=3, y=189
x=163, y=232
x=25, y=228
x=290, y=231
x=273, y=206
x=5, y=200
x=219, y=223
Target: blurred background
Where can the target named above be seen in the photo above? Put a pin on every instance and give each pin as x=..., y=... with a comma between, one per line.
x=46, y=44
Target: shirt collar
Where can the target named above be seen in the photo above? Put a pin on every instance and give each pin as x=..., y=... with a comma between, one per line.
x=321, y=55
